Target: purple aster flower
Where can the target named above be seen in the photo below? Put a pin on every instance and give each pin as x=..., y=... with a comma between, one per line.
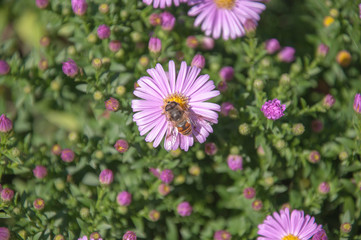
x=154, y=215
x=314, y=157
x=79, y=7
x=168, y=21
x=257, y=205
x=67, y=155
x=222, y=235
x=166, y=176
x=106, y=177
x=186, y=94
x=250, y=25
x=322, y=50
x=210, y=148
x=163, y=189
x=115, y=45
x=121, y=146
x=357, y=103
x=346, y=227
x=155, y=172
x=70, y=68
x=112, y=104
x=235, y=162
x=83, y=238
x=5, y=124
x=226, y=18
x=124, y=198
x=272, y=109
x=287, y=54
x=198, y=61
x=222, y=86
x=42, y=3
x=249, y=192
x=154, y=45
x=226, y=107
x=40, y=171
x=288, y=226
x=328, y=101
x=272, y=45
x=184, y=209
x=192, y=42
x=320, y=235
x=103, y=31
x=95, y=236
x=226, y=73
x=129, y=235
x=7, y=194
x=4, y=233
x=4, y=67
x=155, y=19
x=324, y=187
x=39, y=204
x=207, y=43
x=163, y=3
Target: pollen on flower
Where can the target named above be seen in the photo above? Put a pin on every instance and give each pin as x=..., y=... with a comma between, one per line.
x=227, y=4
x=290, y=237
x=178, y=98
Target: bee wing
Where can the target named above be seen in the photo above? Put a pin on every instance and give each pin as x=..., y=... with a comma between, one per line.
x=171, y=136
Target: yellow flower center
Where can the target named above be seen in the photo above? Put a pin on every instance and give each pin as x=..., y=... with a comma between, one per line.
x=178, y=98
x=327, y=21
x=224, y=236
x=119, y=148
x=227, y=4
x=290, y=237
x=344, y=58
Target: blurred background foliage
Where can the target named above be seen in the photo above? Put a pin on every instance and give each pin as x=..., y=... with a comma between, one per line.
x=48, y=108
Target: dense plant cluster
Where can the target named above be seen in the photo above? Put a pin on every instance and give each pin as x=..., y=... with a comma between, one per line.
x=176, y=119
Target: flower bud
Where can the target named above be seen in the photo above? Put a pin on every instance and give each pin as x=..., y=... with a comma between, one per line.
x=124, y=198
x=168, y=21
x=328, y=101
x=314, y=157
x=287, y=54
x=210, y=148
x=67, y=155
x=121, y=146
x=155, y=19
x=70, y=68
x=258, y=84
x=207, y=43
x=346, y=227
x=194, y=170
x=95, y=236
x=5, y=124
x=222, y=235
x=257, y=205
x=103, y=31
x=56, y=149
x=59, y=237
x=192, y=42
x=79, y=7
x=129, y=235
x=115, y=45
x=226, y=107
x=357, y=103
x=97, y=63
x=244, y=129
x=106, y=177
x=39, y=204
x=104, y=8
x=163, y=189
x=235, y=162
x=249, y=192
x=7, y=194
x=343, y=58
x=155, y=45
x=328, y=20
x=184, y=209
x=272, y=45
x=222, y=86
x=298, y=129
x=40, y=171
x=4, y=67
x=198, y=61
x=92, y=38
x=44, y=41
x=322, y=50
x=154, y=215
x=42, y=3
x=324, y=187
x=343, y=155
x=43, y=64
x=226, y=73
x=200, y=155
x=112, y=104
x=4, y=233
x=166, y=176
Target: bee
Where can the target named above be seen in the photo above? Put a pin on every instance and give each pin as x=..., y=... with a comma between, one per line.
x=178, y=118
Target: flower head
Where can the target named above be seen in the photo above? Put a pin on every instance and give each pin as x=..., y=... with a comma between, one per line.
x=272, y=45
x=163, y=3
x=226, y=107
x=357, y=103
x=207, y=43
x=79, y=7
x=5, y=124
x=324, y=187
x=39, y=204
x=163, y=189
x=70, y=68
x=192, y=42
x=124, y=198
x=210, y=148
x=155, y=19
x=249, y=192
x=184, y=209
x=155, y=45
x=314, y=157
x=83, y=238
x=226, y=73
x=343, y=58
x=272, y=109
x=322, y=50
x=7, y=194
x=67, y=155
x=154, y=215
x=328, y=101
x=129, y=235
x=168, y=21
x=286, y=225
x=40, y=171
x=95, y=236
x=4, y=233
x=42, y=3
x=222, y=235
x=103, y=31
x=198, y=61
x=257, y=205
x=235, y=162
x=106, y=177
x=346, y=227
x=317, y=125
x=115, y=45
x=166, y=176
x=112, y=104
x=4, y=67
x=320, y=235
x=287, y=54
x=225, y=17
x=222, y=86
x=121, y=146
x=184, y=96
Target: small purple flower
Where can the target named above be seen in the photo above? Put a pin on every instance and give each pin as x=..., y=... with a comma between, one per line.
x=7, y=194
x=257, y=205
x=328, y=101
x=121, y=146
x=222, y=86
x=207, y=43
x=184, y=209
x=4, y=233
x=4, y=67
x=154, y=215
x=249, y=192
x=56, y=149
x=226, y=73
x=155, y=19
x=70, y=68
x=79, y=7
x=115, y=45
x=103, y=31
x=198, y=61
x=314, y=157
x=154, y=45
x=155, y=172
x=192, y=42
x=222, y=235
x=124, y=198
x=129, y=235
x=226, y=107
x=322, y=50
x=346, y=227
x=163, y=189
x=272, y=45
x=168, y=21
x=42, y=3
x=95, y=236
x=324, y=187
x=287, y=54
x=112, y=104
x=5, y=124
x=210, y=148
x=250, y=25
x=357, y=103
x=67, y=155
x=235, y=162
x=106, y=177
x=166, y=176
x=320, y=235
x=272, y=109
x=83, y=238
x=39, y=204
x=40, y=171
